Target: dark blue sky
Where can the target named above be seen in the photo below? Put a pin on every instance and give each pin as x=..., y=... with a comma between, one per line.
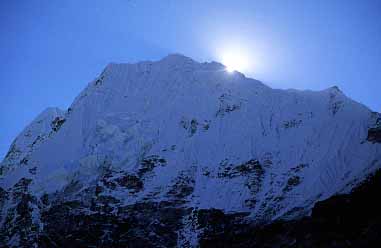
x=51, y=49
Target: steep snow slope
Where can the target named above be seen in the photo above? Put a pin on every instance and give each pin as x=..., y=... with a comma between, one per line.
x=193, y=135
x=32, y=136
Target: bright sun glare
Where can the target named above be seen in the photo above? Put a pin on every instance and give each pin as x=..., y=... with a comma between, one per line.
x=235, y=61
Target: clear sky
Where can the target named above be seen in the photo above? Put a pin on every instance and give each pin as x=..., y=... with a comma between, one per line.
x=51, y=49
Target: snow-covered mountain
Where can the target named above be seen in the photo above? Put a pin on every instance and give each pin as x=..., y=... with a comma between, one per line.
x=147, y=149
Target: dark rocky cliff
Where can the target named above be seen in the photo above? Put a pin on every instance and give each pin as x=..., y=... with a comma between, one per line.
x=348, y=220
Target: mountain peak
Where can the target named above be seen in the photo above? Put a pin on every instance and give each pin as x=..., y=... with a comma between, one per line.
x=178, y=60
x=335, y=89
x=177, y=56
x=160, y=139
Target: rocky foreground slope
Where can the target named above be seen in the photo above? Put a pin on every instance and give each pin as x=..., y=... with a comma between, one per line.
x=174, y=153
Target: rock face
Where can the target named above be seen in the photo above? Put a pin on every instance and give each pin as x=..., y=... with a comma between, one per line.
x=374, y=135
x=347, y=220
x=179, y=153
